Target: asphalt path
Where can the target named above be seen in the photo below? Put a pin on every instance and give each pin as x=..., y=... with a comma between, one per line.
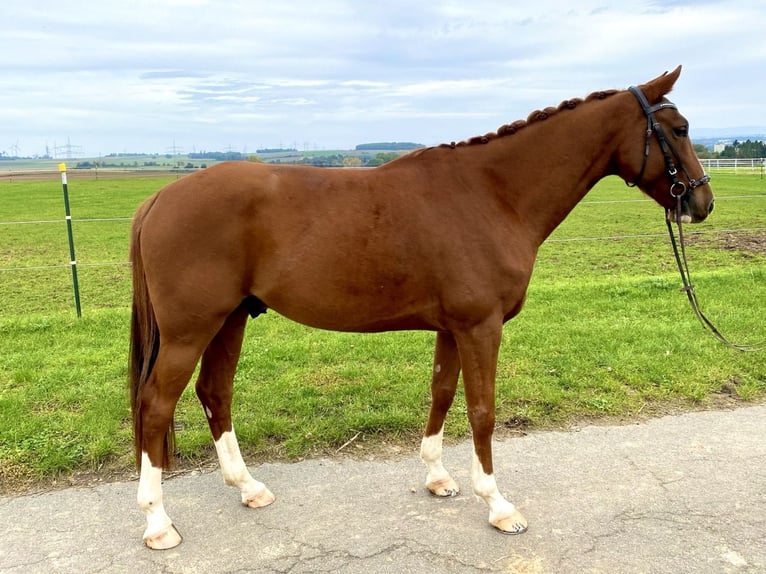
x=680, y=494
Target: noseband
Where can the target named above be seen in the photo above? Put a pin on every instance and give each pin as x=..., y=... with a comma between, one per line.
x=677, y=187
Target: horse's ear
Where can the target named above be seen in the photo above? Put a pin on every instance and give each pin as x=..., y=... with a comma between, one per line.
x=660, y=86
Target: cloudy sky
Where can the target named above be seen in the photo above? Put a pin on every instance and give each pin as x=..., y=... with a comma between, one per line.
x=210, y=75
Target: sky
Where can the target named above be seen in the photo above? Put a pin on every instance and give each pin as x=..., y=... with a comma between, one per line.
x=214, y=75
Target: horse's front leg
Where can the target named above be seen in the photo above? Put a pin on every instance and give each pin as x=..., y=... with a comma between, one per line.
x=478, y=348
x=443, y=384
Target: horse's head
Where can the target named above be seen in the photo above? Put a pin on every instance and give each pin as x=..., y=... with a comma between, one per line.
x=657, y=156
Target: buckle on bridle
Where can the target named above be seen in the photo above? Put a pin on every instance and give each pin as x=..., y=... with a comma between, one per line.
x=695, y=183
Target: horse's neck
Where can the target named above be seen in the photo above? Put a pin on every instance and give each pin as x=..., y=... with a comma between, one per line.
x=548, y=167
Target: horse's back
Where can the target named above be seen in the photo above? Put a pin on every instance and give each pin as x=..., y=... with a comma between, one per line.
x=308, y=242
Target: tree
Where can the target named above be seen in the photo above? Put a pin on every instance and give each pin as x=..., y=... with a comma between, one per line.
x=745, y=149
x=702, y=151
x=352, y=161
x=381, y=158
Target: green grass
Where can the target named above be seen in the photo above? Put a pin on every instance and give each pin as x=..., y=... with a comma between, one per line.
x=605, y=334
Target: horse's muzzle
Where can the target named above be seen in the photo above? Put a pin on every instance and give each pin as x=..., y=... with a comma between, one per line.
x=692, y=209
x=672, y=215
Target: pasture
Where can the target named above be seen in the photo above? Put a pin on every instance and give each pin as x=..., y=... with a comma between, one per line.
x=605, y=335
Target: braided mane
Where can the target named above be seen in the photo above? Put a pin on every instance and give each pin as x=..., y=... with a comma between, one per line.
x=534, y=117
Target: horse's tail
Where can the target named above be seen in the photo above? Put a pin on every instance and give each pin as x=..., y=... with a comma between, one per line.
x=144, y=340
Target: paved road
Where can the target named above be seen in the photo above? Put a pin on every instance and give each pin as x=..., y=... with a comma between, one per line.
x=681, y=494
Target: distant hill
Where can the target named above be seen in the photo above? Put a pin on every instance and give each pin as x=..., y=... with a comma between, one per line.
x=388, y=146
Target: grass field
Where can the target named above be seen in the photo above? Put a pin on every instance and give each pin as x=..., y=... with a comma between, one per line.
x=605, y=335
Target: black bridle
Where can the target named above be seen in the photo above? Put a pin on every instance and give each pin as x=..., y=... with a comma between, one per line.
x=678, y=189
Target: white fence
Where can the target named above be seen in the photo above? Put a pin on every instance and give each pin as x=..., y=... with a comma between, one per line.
x=748, y=165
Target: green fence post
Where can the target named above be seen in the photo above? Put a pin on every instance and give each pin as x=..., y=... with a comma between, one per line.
x=72, y=260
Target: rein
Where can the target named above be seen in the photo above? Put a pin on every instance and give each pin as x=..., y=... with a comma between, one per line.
x=688, y=288
x=678, y=190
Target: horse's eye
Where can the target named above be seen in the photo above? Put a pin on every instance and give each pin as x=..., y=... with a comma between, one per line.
x=682, y=131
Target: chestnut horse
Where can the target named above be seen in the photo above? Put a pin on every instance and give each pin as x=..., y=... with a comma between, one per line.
x=442, y=239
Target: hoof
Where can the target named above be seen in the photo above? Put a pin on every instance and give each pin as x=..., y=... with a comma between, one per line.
x=513, y=524
x=259, y=499
x=445, y=487
x=165, y=539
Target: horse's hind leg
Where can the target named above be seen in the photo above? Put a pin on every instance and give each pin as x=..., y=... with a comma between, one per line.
x=215, y=387
x=443, y=385
x=172, y=369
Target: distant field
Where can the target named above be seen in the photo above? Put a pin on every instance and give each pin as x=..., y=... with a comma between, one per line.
x=605, y=335
x=160, y=162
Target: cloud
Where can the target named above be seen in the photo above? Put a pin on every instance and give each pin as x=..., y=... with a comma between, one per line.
x=112, y=76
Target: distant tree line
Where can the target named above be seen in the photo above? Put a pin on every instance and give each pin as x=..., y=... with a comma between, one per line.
x=276, y=150
x=744, y=149
x=219, y=155
x=379, y=159
x=393, y=146
x=317, y=160
x=130, y=154
x=340, y=160
x=737, y=149
x=135, y=164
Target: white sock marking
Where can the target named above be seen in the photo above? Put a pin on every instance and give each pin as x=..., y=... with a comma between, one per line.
x=485, y=487
x=431, y=455
x=150, y=498
x=233, y=467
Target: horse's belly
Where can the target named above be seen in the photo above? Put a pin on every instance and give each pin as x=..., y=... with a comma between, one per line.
x=339, y=310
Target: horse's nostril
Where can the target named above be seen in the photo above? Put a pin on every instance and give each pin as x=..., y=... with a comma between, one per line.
x=711, y=206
